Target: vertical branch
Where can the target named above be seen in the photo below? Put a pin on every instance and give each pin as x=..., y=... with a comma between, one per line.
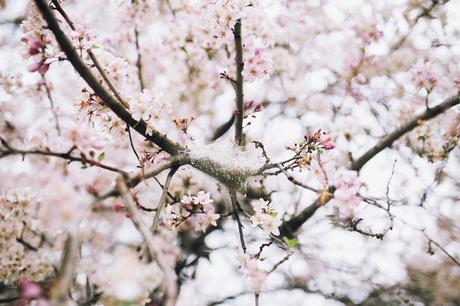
x=152, y=242
x=237, y=217
x=53, y=110
x=139, y=60
x=60, y=293
x=161, y=205
x=238, y=83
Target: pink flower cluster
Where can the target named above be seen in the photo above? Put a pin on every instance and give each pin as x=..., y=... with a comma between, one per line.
x=82, y=37
x=345, y=194
x=148, y=106
x=424, y=75
x=368, y=33
x=199, y=208
x=252, y=271
x=313, y=142
x=266, y=217
x=84, y=139
x=257, y=65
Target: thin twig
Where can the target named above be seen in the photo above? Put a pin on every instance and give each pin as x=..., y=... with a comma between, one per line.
x=455, y=260
x=237, y=217
x=53, y=110
x=162, y=203
x=139, y=60
x=9, y=150
x=128, y=129
x=175, y=161
x=296, y=182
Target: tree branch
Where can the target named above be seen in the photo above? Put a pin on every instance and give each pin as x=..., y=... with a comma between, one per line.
x=388, y=140
x=238, y=83
x=175, y=161
x=60, y=293
x=64, y=155
x=140, y=126
x=152, y=242
x=139, y=60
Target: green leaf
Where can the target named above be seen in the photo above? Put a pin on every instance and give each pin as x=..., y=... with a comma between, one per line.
x=291, y=243
x=101, y=156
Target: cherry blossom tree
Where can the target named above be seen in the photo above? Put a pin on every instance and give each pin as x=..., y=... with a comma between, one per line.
x=229, y=152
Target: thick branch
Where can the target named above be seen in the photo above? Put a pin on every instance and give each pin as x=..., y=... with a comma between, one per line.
x=288, y=228
x=140, y=126
x=60, y=293
x=152, y=242
x=388, y=140
x=238, y=83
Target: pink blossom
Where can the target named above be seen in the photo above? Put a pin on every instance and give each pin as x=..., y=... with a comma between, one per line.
x=425, y=75
x=29, y=289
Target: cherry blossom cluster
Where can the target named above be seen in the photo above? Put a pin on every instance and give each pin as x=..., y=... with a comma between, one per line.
x=316, y=142
x=345, y=197
x=82, y=38
x=257, y=65
x=251, y=270
x=266, y=217
x=37, y=42
x=198, y=209
x=425, y=75
x=85, y=141
x=36, y=50
x=148, y=107
x=21, y=239
x=218, y=20
x=368, y=33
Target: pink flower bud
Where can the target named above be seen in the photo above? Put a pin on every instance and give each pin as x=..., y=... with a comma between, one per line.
x=43, y=68
x=117, y=207
x=36, y=43
x=33, y=51
x=29, y=289
x=34, y=67
x=328, y=145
